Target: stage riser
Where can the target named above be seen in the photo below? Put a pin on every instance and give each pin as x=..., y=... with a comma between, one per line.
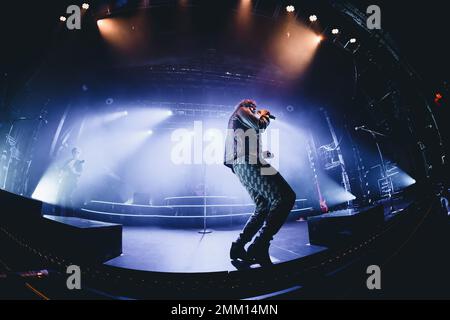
x=180, y=222
x=337, y=229
x=200, y=201
x=129, y=209
x=185, y=212
x=169, y=211
x=176, y=222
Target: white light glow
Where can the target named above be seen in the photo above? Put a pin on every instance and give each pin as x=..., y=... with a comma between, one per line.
x=290, y=8
x=47, y=188
x=313, y=18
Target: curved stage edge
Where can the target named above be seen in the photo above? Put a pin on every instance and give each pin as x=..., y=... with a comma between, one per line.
x=123, y=280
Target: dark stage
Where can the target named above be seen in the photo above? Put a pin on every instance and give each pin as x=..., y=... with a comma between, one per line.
x=235, y=149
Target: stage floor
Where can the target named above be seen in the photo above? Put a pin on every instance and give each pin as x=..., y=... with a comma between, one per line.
x=177, y=250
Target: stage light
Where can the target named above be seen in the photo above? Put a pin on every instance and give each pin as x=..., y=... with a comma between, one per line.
x=85, y=6
x=62, y=18
x=169, y=112
x=335, y=31
x=294, y=52
x=105, y=118
x=350, y=41
x=244, y=16
x=313, y=18
x=106, y=26
x=334, y=192
x=290, y=8
x=402, y=180
x=119, y=114
x=47, y=188
x=149, y=132
x=437, y=98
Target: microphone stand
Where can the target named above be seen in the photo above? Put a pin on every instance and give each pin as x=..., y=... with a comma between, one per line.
x=374, y=135
x=8, y=136
x=204, y=230
x=30, y=152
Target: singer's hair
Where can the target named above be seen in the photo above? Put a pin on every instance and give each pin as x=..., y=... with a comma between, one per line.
x=246, y=103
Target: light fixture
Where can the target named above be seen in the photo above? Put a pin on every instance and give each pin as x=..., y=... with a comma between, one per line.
x=290, y=8
x=85, y=6
x=350, y=41
x=313, y=18
x=335, y=31
x=62, y=18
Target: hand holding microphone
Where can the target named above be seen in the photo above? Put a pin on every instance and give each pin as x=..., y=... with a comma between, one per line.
x=266, y=113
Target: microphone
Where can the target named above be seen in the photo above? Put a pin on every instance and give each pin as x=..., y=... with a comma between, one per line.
x=269, y=115
x=359, y=128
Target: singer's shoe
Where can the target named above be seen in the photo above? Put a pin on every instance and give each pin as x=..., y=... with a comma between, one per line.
x=237, y=251
x=258, y=252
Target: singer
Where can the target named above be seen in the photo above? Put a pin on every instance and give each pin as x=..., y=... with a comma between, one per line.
x=273, y=196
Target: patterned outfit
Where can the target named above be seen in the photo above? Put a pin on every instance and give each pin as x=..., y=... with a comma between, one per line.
x=273, y=196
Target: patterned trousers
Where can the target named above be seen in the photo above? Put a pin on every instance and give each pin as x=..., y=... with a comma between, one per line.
x=273, y=197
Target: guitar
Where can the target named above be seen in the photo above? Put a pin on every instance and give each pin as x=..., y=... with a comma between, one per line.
x=78, y=166
x=71, y=170
x=322, y=201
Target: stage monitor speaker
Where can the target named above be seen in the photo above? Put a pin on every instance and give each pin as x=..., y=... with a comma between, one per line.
x=74, y=238
x=19, y=214
x=82, y=239
x=342, y=227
